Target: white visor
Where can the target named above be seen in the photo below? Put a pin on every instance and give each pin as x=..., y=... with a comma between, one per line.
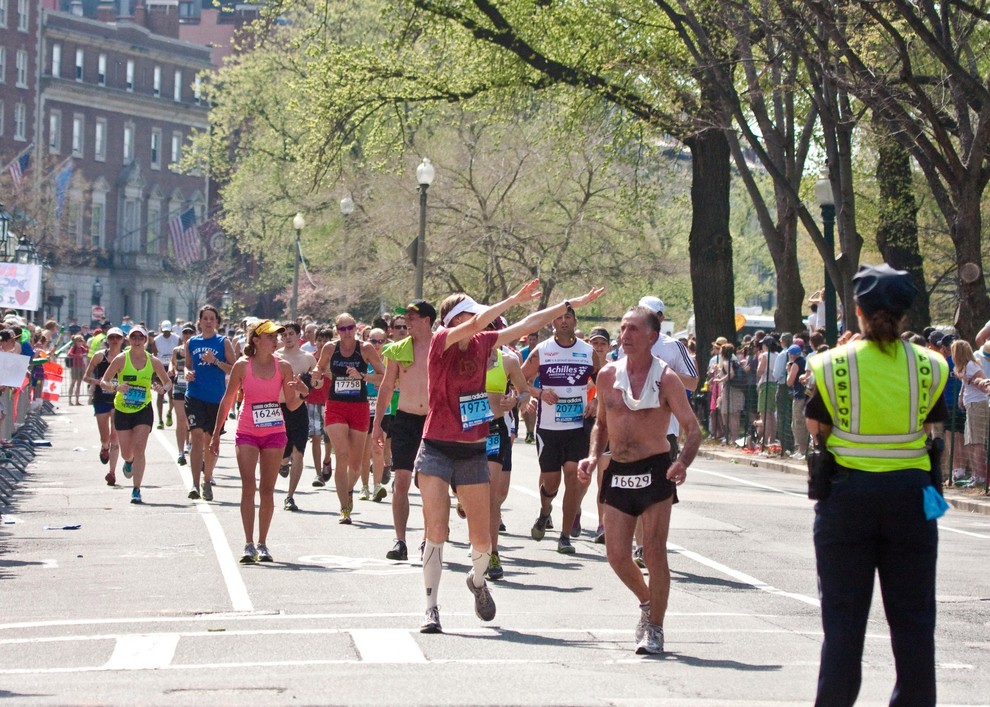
x=465, y=305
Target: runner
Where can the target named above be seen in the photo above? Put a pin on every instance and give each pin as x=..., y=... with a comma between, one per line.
x=346, y=363
x=209, y=358
x=452, y=453
x=565, y=365
x=103, y=401
x=373, y=457
x=177, y=370
x=405, y=371
x=316, y=403
x=528, y=412
x=134, y=370
x=77, y=365
x=261, y=433
x=296, y=417
x=637, y=395
x=164, y=344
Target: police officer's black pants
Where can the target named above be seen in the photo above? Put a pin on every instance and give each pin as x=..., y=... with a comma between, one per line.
x=873, y=523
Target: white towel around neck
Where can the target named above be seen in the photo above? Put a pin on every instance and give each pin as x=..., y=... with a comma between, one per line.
x=650, y=394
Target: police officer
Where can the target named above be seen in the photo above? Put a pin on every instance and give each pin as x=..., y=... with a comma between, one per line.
x=874, y=401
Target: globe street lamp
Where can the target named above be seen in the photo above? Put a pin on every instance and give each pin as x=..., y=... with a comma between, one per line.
x=298, y=223
x=424, y=177
x=823, y=194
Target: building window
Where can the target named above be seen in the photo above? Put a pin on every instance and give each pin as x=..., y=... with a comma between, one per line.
x=23, y=14
x=2, y=115
x=176, y=147
x=130, y=74
x=156, y=148
x=154, y=228
x=100, y=140
x=177, y=87
x=98, y=222
x=3, y=63
x=131, y=234
x=55, y=131
x=156, y=86
x=3, y=13
x=20, y=122
x=197, y=90
x=101, y=70
x=56, y=60
x=73, y=227
x=22, y=68
x=128, y=143
x=80, y=63
x=78, y=128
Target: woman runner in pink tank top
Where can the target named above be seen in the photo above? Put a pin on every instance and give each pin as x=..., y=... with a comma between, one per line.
x=260, y=428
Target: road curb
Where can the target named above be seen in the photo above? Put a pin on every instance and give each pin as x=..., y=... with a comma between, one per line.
x=955, y=499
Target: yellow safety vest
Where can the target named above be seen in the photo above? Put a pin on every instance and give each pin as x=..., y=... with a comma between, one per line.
x=879, y=403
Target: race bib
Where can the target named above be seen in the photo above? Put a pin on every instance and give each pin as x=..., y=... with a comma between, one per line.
x=347, y=386
x=633, y=481
x=569, y=410
x=493, y=445
x=475, y=410
x=266, y=414
x=135, y=397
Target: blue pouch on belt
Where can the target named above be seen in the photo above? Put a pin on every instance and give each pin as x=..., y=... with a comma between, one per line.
x=935, y=506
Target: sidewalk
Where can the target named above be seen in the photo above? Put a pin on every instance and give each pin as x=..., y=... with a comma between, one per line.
x=970, y=500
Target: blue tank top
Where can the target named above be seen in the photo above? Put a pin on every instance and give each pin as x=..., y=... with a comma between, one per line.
x=346, y=389
x=209, y=381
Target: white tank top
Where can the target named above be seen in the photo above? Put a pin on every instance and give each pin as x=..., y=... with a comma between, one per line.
x=566, y=370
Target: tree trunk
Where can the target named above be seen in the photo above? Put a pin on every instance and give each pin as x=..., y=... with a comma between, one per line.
x=897, y=230
x=974, y=305
x=790, y=290
x=710, y=242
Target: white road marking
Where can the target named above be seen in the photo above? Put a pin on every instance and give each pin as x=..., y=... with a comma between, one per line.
x=963, y=532
x=387, y=646
x=747, y=482
x=143, y=652
x=229, y=569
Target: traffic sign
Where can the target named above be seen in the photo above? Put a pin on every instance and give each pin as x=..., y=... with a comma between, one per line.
x=98, y=312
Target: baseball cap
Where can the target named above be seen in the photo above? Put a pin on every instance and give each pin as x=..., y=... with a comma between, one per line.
x=420, y=307
x=138, y=329
x=794, y=350
x=166, y=325
x=880, y=287
x=189, y=326
x=653, y=303
x=267, y=326
x=947, y=340
x=935, y=338
x=115, y=331
x=720, y=341
x=465, y=305
x=599, y=333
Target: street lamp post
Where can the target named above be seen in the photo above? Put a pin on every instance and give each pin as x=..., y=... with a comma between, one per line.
x=4, y=226
x=424, y=176
x=298, y=223
x=97, y=293
x=826, y=200
x=226, y=301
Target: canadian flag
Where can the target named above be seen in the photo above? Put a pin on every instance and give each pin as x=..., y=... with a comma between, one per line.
x=53, y=381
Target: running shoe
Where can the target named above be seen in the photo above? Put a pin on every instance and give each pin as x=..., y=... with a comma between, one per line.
x=111, y=479
x=386, y=474
x=484, y=605
x=185, y=450
x=576, y=528
x=136, y=496
x=289, y=504
x=380, y=493
x=494, y=570
x=263, y=554
x=250, y=555
x=460, y=511
x=345, y=516
x=319, y=482
x=398, y=552
x=501, y=526
x=104, y=455
x=283, y=471
x=365, y=494
x=432, y=622
x=193, y=495
x=529, y=438
x=539, y=528
x=652, y=641
x=600, y=535
x=644, y=621
x=638, y=557
x=327, y=470
x=127, y=470
x=564, y=546
x=168, y=419
x=161, y=425
x=181, y=460
x=207, y=491
x=549, y=522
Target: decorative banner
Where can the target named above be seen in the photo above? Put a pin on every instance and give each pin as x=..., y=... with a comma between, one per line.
x=20, y=286
x=13, y=367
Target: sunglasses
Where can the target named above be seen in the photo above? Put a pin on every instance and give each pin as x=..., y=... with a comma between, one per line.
x=112, y=336
x=347, y=327
x=399, y=327
x=377, y=341
x=137, y=336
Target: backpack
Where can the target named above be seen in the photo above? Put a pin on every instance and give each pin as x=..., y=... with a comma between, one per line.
x=738, y=379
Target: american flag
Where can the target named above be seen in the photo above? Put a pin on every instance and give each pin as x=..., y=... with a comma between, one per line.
x=19, y=166
x=185, y=237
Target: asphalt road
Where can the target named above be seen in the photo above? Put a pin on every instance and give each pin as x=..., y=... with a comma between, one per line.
x=147, y=604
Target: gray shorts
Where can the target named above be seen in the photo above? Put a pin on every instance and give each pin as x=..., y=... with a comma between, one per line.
x=454, y=462
x=315, y=412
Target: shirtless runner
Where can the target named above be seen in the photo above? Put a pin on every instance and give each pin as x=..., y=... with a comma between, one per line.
x=637, y=396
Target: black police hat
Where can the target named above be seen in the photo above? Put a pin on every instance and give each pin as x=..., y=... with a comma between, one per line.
x=880, y=287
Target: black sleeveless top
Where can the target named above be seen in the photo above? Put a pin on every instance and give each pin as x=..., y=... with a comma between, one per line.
x=100, y=395
x=345, y=389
